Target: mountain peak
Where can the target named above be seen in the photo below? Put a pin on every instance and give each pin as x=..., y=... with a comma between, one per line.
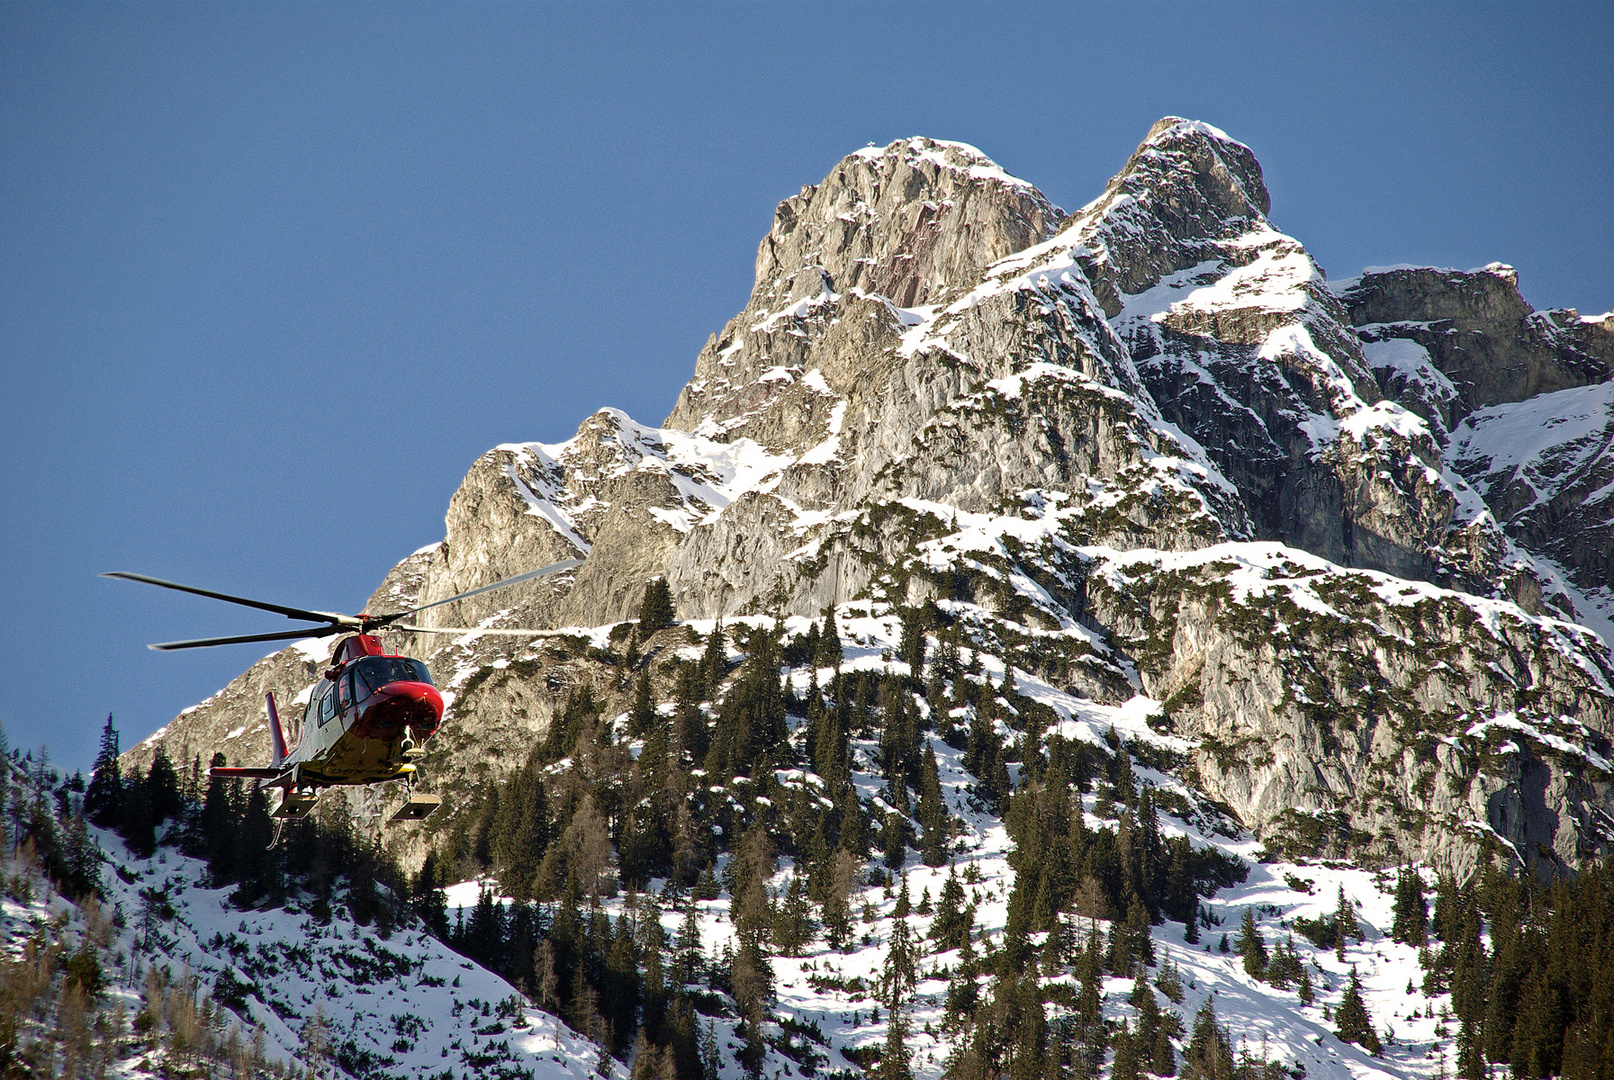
x=1224, y=169
x=944, y=153
x=900, y=221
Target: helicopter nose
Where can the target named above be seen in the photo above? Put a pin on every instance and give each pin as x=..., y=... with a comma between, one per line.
x=415, y=705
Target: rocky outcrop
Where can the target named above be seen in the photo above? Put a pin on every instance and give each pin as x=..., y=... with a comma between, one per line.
x=1352, y=715
x=1479, y=335
x=1243, y=346
x=1518, y=398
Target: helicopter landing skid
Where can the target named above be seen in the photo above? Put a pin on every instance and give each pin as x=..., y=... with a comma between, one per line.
x=295, y=804
x=416, y=808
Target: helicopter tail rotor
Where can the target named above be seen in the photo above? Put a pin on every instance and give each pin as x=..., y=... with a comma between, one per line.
x=277, y=736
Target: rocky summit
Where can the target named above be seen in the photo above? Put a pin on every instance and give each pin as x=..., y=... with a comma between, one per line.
x=1336, y=557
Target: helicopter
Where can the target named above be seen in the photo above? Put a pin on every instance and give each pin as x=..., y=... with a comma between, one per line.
x=366, y=718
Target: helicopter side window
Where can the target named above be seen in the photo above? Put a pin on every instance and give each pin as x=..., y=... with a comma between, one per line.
x=327, y=705
x=344, y=690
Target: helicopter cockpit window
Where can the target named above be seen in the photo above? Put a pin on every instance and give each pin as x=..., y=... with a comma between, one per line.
x=374, y=672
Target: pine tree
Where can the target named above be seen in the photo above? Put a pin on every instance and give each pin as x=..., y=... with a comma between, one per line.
x=643, y=714
x=1344, y=923
x=1411, y=922
x=894, y=840
x=1209, y=1055
x=894, y=1061
x=793, y=925
x=1090, y=998
x=932, y=812
x=1125, y=1066
x=829, y=643
x=900, y=975
x=656, y=610
x=1351, y=1021
x=951, y=926
x=714, y=662
x=104, y=799
x=911, y=649
x=1142, y=999
x=1251, y=947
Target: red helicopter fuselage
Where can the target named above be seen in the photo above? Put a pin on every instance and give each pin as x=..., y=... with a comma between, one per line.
x=362, y=716
x=364, y=723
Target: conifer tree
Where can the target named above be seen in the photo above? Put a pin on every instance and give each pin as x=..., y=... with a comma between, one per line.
x=1351, y=1021
x=1411, y=921
x=687, y=947
x=656, y=609
x=894, y=1060
x=643, y=714
x=900, y=974
x=894, y=840
x=793, y=925
x=1142, y=999
x=1125, y=1066
x=829, y=643
x=104, y=798
x=912, y=646
x=1090, y=998
x=1344, y=922
x=714, y=664
x=1251, y=947
x=1209, y=1055
x=933, y=817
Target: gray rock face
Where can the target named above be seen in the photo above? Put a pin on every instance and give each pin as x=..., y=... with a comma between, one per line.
x=1518, y=398
x=905, y=223
x=1141, y=449
x=1356, y=715
x=1480, y=334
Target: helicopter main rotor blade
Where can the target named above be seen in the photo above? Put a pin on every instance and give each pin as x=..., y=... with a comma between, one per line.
x=279, y=609
x=471, y=630
x=284, y=635
x=552, y=568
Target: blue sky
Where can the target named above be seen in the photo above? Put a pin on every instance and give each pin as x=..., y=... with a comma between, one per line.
x=273, y=276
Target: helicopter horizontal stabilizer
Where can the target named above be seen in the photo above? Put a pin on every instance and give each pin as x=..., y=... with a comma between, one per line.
x=264, y=772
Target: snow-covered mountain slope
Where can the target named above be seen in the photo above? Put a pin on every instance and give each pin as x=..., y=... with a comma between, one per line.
x=160, y=974
x=281, y=989
x=833, y=992
x=1546, y=468
x=1328, y=551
